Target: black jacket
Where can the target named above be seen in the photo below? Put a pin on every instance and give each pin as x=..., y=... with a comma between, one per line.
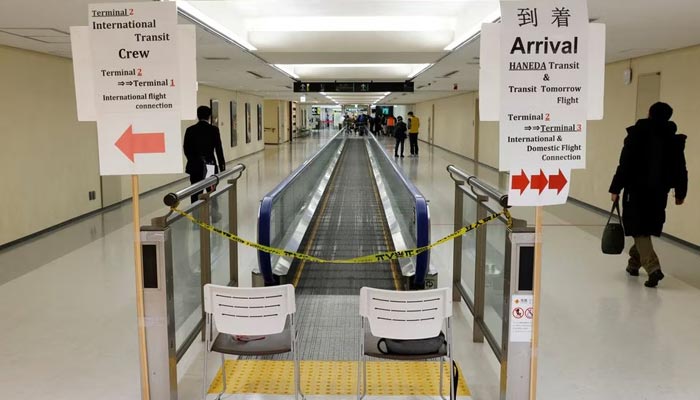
x=652, y=163
x=400, y=130
x=201, y=141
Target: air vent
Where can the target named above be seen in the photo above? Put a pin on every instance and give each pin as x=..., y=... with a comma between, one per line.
x=449, y=74
x=217, y=58
x=257, y=75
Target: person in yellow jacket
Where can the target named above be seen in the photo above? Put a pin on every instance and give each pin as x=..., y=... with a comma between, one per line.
x=413, y=127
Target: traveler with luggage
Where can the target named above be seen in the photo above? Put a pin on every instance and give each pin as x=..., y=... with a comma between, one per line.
x=652, y=163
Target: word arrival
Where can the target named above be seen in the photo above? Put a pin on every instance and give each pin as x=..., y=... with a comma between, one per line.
x=545, y=46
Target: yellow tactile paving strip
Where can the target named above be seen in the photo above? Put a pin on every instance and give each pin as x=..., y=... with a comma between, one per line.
x=339, y=378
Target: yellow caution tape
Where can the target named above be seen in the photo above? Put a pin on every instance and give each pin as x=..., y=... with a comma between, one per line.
x=373, y=258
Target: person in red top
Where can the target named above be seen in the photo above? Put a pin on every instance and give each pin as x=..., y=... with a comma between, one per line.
x=390, y=125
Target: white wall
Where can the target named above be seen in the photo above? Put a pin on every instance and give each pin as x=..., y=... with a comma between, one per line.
x=453, y=122
x=49, y=160
x=680, y=85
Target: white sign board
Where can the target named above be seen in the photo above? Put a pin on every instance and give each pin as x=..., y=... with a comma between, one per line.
x=82, y=67
x=490, y=73
x=543, y=84
x=142, y=71
x=521, y=314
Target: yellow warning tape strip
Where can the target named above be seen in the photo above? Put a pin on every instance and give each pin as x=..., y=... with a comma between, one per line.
x=373, y=258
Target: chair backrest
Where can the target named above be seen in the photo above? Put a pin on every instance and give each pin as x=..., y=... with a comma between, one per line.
x=415, y=314
x=249, y=311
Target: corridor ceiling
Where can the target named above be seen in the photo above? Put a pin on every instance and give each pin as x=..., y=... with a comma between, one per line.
x=262, y=46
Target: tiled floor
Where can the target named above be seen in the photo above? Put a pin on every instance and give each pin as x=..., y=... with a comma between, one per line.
x=68, y=314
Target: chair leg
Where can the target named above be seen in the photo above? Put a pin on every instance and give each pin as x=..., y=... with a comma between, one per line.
x=453, y=390
x=442, y=379
x=361, y=378
x=297, y=363
x=204, y=375
x=223, y=376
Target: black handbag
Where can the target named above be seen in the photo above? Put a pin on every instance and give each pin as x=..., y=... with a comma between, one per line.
x=613, y=241
x=418, y=347
x=412, y=347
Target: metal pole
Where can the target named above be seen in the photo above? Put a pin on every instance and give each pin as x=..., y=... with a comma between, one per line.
x=138, y=263
x=233, y=227
x=480, y=271
x=204, y=251
x=536, y=281
x=457, y=252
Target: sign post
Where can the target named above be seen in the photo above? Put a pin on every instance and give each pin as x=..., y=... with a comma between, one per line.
x=135, y=75
x=542, y=79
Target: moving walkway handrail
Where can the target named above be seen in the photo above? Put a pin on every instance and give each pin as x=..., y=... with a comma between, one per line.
x=476, y=183
x=265, y=213
x=422, y=221
x=172, y=199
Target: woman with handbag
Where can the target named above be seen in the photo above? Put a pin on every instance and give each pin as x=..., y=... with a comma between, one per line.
x=651, y=164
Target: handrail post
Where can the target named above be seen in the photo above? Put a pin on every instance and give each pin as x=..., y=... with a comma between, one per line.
x=457, y=246
x=480, y=271
x=233, y=228
x=156, y=245
x=204, y=249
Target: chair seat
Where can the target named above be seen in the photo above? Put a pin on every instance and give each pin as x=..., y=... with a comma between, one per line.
x=271, y=344
x=372, y=350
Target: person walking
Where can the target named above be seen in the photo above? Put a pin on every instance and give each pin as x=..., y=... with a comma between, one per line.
x=400, y=135
x=378, y=120
x=413, y=127
x=652, y=162
x=202, y=141
x=390, y=125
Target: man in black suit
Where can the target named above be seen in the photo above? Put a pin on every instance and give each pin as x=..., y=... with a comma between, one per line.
x=201, y=141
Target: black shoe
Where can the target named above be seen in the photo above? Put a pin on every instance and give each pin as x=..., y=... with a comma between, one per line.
x=396, y=155
x=401, y=155
x=632, y=271
x=654, y=279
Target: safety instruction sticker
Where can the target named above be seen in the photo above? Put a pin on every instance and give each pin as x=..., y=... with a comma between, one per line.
x=521, y=314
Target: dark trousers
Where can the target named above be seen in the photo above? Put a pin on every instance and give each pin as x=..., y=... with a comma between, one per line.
x=413, y=138
x=399, y=143
x=194, y=178
x=198, y=177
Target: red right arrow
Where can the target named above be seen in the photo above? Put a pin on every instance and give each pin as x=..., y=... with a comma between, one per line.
x=520, y=182
x=539, y=182
x=557, y=182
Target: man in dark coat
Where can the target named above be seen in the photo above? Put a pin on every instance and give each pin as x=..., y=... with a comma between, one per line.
x=652, y=162
x=400, y=134
x=201, y=141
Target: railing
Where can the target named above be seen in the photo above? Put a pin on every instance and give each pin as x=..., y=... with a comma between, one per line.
x=409, y=222
x=179, y=259
x=490, y=265
x=287, y=210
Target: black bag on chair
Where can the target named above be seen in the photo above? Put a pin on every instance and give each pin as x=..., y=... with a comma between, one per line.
x=613, y=241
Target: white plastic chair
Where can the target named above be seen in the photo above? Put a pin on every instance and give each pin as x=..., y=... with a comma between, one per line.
x=259, y=311
x=405, y=315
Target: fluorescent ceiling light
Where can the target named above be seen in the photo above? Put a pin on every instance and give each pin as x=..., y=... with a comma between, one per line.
x=194, y=12
x=351, y=24
x=469, y=33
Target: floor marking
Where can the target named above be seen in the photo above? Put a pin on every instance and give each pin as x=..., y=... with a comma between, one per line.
x=335, y=378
